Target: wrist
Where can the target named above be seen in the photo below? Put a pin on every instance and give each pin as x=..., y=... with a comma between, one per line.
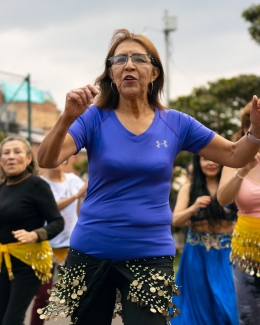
x=243, y=171
x=66, y=119
x=194, y=208
x=35, y=236
x=253, y=135
x=238, y=175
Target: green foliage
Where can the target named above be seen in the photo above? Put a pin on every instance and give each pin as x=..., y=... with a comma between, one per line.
x=81, y=166
x=252, y=15
x=218, y=105
x=2, y=135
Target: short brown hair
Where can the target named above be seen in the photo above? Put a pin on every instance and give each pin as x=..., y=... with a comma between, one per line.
x=109, y=99
x=32, y=167
x=245, y=122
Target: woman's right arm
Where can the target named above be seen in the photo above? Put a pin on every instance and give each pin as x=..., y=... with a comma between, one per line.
x=182, y=211
x=58, y=145
x=231, y=180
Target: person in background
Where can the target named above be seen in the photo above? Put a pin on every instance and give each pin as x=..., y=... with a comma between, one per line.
x=122, y=239
x=205, y=274
x=29, y=217
x=243, y=186
x=67, y=189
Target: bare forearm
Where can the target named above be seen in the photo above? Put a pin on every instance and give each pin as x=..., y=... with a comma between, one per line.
x=227, y=192
x=245, y=150
x=182, y=217
x=227, y=153
x=50, y=148
x=63, y=203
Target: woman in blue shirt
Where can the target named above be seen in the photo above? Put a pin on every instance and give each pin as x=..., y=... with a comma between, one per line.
x=122, y=239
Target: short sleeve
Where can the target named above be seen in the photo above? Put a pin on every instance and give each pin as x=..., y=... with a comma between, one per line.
x=194, y=135
x=81, y=129
x=85, y=126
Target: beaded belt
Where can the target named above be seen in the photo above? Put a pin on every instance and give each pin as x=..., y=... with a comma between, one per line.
x=216, y=241
x=246, y=245
x=151, y=284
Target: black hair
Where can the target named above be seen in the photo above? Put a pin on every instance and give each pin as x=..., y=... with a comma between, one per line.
x=214, y=212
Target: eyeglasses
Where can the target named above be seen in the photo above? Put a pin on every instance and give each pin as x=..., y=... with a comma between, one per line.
x=137, y=59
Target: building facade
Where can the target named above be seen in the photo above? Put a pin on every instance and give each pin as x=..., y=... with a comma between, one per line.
x=44, y=114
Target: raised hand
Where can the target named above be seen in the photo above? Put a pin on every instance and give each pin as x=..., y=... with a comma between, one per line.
x=255, y=117
x=79, y=99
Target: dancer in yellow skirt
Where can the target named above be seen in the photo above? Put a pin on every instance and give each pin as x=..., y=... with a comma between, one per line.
x=243, y=186
x=26, y=203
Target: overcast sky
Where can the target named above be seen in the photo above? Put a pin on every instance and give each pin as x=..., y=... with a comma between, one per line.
x=63, y=43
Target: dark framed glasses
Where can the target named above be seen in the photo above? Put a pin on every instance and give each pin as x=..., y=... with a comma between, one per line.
x=138, y=59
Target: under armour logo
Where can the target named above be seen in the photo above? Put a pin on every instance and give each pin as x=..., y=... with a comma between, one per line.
x=159, y=144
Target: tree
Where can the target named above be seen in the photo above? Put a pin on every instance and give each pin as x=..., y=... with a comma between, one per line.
x=252, y=14
x=218, y=105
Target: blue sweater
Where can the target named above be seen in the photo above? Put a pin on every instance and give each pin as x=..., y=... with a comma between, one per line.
x=126, y=214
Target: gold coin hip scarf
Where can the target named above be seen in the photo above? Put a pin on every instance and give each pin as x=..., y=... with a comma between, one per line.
x=37, y=255
x=245, y=247
x=151, y=283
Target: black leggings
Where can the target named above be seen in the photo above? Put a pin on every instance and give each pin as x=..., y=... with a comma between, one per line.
x=16, y=295
x=102, y=305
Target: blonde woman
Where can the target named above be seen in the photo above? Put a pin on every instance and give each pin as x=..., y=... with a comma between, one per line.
x=26, y=204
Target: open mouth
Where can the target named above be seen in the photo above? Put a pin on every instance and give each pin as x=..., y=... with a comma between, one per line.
x=129, y=78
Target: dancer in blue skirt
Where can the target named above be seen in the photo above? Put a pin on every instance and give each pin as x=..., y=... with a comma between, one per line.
x=205, y=274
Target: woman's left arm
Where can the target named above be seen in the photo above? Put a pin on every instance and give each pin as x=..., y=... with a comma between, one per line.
x=236, y=154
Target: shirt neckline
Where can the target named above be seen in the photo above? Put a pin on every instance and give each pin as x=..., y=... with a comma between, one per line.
x=132, y=136
x=252, y=181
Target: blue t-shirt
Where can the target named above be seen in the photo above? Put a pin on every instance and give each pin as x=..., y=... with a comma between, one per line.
x=126, y=214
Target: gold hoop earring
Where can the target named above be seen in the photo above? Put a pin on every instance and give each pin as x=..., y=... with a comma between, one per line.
x=113, y=89
x=150, y=91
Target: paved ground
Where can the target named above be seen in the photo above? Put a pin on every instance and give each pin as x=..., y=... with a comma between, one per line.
x=66, y=321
